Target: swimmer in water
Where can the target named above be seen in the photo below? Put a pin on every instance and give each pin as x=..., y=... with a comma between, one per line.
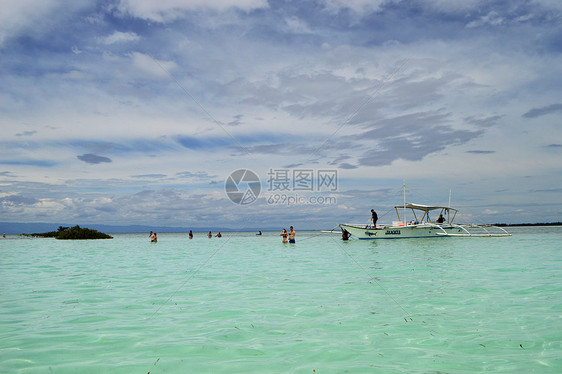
x=284, y=235
x=292, y=234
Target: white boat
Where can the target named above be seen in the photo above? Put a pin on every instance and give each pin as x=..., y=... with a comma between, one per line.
x=422, y=225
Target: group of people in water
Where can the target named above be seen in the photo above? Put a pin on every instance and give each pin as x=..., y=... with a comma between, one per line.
x=288, y=237
x=209, y=235
x=154, y=237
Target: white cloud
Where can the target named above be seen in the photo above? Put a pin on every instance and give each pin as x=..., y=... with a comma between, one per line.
x=31, y=16
x=357, y=6
x=492, y=19
x=147, y=65
x=454, y=6
x=169, y=10
x=120, y=37
x=297, y=25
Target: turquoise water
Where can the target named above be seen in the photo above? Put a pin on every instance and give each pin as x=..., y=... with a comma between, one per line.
x=250, y=304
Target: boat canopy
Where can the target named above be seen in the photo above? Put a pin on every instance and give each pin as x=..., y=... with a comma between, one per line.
x=425, y=208
x=449, y=212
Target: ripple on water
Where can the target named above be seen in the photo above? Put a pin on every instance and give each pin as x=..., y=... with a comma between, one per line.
x=246, y=304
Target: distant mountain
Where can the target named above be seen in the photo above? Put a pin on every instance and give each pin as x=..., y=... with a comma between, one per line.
x=16, y=228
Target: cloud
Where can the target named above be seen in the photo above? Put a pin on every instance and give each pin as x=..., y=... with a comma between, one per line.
x=481, y=152
x=237, y=120
x=483, y=122
x=147, y=65
x=91, y=158
x=195, y=175
x=542, y=111
x=120, y=37
x=492, y=19
x=26, y=133
x=149, y=176
x=28, y=17
x=169, y=10
x=29, y=162
x=346, y=166
x=201, y=143
x=412, y=137
x=548, y=190
x=356, y=6
x=19, y=200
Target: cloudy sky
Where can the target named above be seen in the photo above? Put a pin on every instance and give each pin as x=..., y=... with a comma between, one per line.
x=137, y=111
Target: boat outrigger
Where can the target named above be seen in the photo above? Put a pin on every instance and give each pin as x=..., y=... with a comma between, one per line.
x=422, y=226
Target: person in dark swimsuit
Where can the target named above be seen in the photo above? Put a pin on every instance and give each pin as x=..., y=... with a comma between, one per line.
x=344, y=234
x=284, y=235
x=292, y=235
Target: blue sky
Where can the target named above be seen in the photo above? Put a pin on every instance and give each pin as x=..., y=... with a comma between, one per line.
x=137, y=111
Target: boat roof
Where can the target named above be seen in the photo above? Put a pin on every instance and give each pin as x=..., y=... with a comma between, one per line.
x=425, y=208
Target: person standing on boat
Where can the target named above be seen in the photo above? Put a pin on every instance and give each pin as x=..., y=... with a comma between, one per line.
x=440, y=219
x=292, y=235
x=374, y=218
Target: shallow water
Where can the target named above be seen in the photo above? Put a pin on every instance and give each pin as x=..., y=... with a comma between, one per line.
x=245, y=303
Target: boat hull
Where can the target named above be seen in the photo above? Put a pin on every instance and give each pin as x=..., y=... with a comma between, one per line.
x=425, y=230
x=402, y=232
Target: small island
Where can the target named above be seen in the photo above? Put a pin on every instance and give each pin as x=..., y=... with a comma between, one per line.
x=73, y=233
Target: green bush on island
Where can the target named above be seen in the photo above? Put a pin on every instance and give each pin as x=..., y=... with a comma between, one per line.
x=75, y=232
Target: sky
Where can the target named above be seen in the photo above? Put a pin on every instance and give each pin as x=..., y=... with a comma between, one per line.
x=127, y=112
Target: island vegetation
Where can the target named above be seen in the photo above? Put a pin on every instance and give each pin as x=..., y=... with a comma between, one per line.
x=75, y=232
x=528, y=224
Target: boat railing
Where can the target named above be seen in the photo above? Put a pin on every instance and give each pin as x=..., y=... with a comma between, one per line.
x=366, y=226
x=436, y=226
x=466, y=228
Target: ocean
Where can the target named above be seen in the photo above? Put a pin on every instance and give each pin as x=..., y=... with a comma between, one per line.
x=251, y=304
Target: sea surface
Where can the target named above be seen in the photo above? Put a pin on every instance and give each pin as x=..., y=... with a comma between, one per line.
x=251, y=304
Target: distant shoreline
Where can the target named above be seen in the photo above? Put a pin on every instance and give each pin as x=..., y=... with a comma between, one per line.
x=527, y=224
